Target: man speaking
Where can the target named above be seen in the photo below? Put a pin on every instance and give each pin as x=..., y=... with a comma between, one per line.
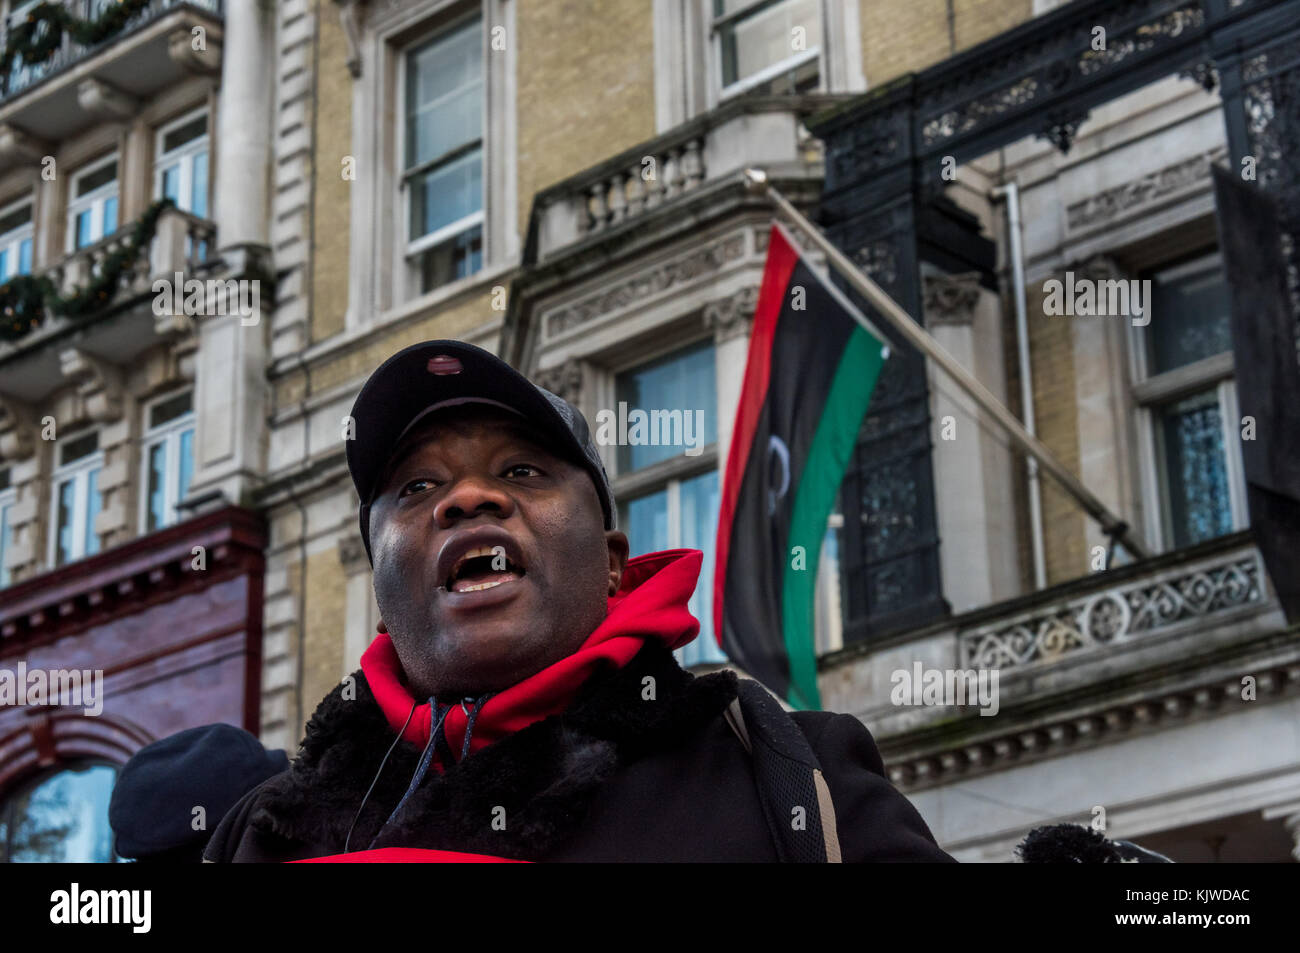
x=521, y=701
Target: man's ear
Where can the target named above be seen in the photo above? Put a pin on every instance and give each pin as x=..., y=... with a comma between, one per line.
x=618, y=550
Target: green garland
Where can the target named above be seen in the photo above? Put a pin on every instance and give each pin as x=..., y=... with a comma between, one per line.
x=31, y=45
x=25, y=300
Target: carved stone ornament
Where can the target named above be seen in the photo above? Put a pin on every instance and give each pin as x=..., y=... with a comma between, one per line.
x=351, y=16
x=950, y=299
x=729, y=317
x=563, y=380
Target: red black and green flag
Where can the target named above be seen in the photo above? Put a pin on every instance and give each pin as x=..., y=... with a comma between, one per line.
x=811, y=370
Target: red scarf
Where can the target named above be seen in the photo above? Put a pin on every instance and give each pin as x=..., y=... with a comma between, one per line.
x=650, y=604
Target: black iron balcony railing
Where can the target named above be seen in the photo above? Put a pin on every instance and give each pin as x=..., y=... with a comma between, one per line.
x=23, y=76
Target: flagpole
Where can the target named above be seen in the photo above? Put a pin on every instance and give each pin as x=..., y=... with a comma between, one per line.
x=1114, y=527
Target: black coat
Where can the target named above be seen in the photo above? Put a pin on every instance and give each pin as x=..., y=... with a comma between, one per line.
x=614, y=778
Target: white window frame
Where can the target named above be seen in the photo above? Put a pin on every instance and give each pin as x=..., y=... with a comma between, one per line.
x=79, y=471
x=664, y=475
x=412, y=249
x=168, y=434
x=93, y=201
x=1153, y=391
x=185, y=155
x=716, y=27
x=12, y=240
x=8, y=497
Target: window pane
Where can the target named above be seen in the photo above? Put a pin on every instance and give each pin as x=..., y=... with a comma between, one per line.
x=83, y=229
x=699, y=514
x=763, y=39
x=199, y=186
x=171, y=183
x=1195, y=474
x=25, y=257
x=15, y=219
x=4, y=543
x=456, y=258
x=92, y=510
x=1189, y=316
x=110, y=215
x=64, y=819
x=196, y=128
x=679, y=382
x=186, y=464
x=101, y=176
x=4, y=264
x=444, y=95
x=646, y=522
x=63, y=524
x=446, y=194
x=171, y=408
x=157, y=516
x=82, y=446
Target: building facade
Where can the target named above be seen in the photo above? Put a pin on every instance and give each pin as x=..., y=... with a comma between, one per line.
x=562, y=184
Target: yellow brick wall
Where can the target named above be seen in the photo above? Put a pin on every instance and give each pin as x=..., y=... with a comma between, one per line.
x=586, y=87
x=331, y=195
x=326, y=611
x=457, y=318
x=1056, y=412
x=902, y=36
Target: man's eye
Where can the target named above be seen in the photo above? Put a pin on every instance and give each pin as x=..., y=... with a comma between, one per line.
x=415, y=486
x=528, y=468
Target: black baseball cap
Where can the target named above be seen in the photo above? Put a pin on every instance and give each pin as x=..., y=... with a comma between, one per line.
x=433, y=375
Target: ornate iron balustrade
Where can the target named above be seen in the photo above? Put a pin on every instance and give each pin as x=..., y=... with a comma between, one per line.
x=23, y=77
x=1118, y=613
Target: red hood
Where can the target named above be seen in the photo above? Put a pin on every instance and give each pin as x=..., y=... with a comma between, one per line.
x=650, y=604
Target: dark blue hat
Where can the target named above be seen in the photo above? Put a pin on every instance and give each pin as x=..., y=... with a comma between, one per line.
x=152, y=807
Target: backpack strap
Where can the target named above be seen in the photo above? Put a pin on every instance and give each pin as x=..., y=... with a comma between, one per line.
x=791, y=789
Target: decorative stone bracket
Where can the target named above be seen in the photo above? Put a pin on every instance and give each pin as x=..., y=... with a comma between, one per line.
x=99, y=383
x=18, y=429
x=950, y=299
x=564, y=380
x=729, y=317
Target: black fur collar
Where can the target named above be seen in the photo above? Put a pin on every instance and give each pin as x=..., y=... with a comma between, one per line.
x=538, y=781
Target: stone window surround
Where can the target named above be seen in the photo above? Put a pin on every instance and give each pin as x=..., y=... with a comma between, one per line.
x=379, y=275
x=1149, y=393
x=581, y=366
x=687, y=75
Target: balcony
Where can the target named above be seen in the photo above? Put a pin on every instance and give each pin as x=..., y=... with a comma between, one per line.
x=31, y=366
x=1113, y=655
x=625, y=190
x=80, y=86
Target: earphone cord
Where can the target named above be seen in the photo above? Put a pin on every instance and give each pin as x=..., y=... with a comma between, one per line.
x=370, y=789
x=426, y=757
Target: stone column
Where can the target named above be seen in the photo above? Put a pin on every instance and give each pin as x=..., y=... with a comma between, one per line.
x=231, y=392
x=729, y=318
x=244, y=129
x=972, y=468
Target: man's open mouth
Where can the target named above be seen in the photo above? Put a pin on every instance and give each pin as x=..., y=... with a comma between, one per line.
x=483, y=567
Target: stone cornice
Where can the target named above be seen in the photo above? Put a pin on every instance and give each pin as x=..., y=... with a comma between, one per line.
x=958, y=749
